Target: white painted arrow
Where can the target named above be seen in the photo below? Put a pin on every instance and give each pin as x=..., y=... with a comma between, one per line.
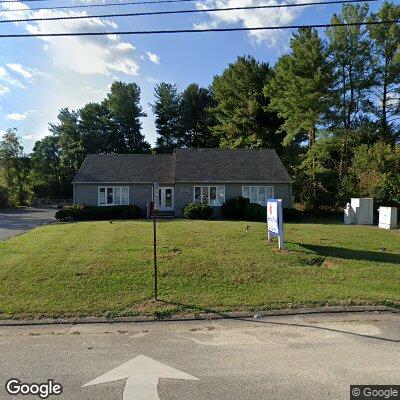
x=142, y=374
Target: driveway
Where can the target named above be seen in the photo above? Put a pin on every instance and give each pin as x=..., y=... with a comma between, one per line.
x=19, y=220
x=305, y=357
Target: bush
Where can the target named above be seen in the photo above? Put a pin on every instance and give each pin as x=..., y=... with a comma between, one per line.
x=291, y=215
x=81, y=212
x=235, y=208
x=255, y=212
x=197, y=211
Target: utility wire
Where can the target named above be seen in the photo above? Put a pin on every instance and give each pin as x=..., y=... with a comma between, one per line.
x=19, y=1
x=169, y=1
x=154, y=32
x=150, y=13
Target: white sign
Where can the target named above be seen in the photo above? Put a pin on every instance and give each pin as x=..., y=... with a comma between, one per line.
x=142, y=374
x=275, y=221
x=272, y=217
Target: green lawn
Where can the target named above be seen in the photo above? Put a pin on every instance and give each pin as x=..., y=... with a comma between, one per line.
x=99, y=268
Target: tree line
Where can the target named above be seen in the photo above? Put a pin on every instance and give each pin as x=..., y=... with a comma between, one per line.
x=330, y=107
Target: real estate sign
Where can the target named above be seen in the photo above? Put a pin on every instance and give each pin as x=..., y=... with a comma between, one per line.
x=275, y=221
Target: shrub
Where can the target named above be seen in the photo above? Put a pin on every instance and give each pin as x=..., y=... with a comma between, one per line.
x=197, y=211
x=81, y=212
x=291, y=215
x=255, y=212
x=235, y=208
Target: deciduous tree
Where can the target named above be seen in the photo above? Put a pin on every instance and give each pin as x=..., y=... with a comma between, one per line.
x=15, y=166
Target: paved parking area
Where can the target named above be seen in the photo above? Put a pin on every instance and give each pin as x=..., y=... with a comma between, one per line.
x=16, y=221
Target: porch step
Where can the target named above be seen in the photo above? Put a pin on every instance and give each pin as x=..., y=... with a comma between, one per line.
x=165, y=214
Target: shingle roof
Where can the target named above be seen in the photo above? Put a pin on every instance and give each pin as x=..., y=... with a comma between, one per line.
x=132, y=168
x=229, y=165
x=186, y=165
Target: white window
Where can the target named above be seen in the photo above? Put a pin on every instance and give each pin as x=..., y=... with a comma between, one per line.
x=258, y=194
x=211, y=195
x=113, y=196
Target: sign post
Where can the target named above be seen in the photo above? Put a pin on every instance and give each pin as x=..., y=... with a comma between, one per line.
x=156, y=187
x=275, y=221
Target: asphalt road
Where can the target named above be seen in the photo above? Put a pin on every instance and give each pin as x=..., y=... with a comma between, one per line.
x=280, y=358
x=16, y=221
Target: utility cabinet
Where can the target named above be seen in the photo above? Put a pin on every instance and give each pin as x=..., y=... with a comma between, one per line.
x=388, y=217
x=359, y=211
x=348, y=215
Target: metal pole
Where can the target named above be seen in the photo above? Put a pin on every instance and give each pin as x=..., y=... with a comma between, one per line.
x=281, y=236
x=155, y=253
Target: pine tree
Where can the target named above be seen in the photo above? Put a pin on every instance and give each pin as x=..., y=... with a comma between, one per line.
x=167, y=111
x=197, y=118
x=351, y=53
x=242, y=117
x=299, y=90
x=385, y=45
x=299, y=93
x=125, y=110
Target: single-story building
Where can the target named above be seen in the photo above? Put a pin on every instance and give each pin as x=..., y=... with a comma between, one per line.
x=211, y=176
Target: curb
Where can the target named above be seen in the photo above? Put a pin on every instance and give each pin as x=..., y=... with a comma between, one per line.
x=199, y=317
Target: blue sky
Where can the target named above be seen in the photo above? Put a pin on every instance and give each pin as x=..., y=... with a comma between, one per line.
x=38, y=77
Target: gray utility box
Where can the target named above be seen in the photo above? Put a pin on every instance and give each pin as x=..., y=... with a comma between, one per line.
x=388, y=217
x=359, y=211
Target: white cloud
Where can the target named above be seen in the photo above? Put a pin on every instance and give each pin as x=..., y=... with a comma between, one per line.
x=20, y=69
x=152, y=80
x=16, y=116
x=4, y=90
x=5, y=76
x=154, y=58
x=124, y=46
x=251, y=18
x=85, y=55
x=19, y=116
x=29, y=137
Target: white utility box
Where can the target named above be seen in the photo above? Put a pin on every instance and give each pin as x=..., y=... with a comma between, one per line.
x=363, y=210
x=388, y=217
x=348, y=215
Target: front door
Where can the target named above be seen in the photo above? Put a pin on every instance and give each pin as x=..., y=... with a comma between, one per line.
x=166, y=198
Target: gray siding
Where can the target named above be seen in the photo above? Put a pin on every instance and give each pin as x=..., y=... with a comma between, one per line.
x=85, y=193
x=140, y=194
x=184, y=194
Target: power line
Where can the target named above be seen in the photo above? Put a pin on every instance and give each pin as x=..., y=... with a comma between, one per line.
x=169, y=12
x=166, y=1
x=173, y=31
x=17, y=1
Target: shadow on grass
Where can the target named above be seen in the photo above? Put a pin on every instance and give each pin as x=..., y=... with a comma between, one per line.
x=275, y=323
x=350, y=254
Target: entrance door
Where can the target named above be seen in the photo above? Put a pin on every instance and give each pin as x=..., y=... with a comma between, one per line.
x=166, y=198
